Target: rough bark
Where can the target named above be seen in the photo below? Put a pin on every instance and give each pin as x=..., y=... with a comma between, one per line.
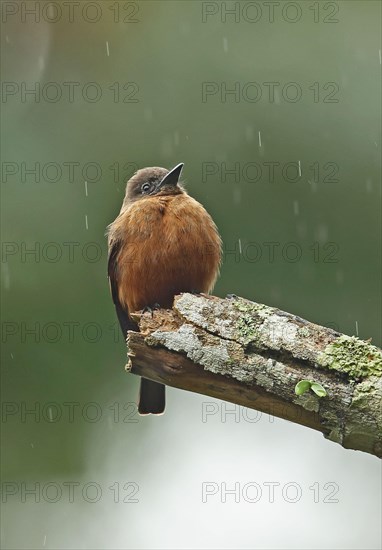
x=254, y=355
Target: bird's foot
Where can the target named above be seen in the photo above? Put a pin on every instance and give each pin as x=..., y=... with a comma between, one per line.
x=231, y=296
x=151, y=309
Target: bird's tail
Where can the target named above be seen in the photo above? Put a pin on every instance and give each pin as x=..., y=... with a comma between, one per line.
x=152, y=397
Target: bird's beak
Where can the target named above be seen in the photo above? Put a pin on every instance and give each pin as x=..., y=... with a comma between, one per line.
x=172, y=177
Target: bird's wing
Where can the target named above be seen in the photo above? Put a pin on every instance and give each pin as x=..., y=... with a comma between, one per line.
x=112, y=271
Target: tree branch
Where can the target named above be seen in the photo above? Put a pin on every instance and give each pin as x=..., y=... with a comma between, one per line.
x=254, y=355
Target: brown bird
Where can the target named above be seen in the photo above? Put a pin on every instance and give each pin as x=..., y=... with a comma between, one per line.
x=162, y=243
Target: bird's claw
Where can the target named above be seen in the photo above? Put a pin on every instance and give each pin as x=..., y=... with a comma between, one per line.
x=151, y=309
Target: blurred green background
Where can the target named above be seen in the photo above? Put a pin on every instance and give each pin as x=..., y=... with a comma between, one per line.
x=149, y=62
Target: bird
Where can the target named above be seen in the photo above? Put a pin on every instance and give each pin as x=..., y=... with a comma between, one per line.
x=162, y=243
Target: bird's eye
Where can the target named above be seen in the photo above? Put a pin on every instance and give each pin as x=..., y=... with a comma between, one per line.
x=145, y=187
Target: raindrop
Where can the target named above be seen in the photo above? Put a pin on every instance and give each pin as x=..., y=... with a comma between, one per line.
x=339, y=277
x=107, y=48
x=225, y=44
x=259, y=139
x=41, y=63
x=240, y=247
x=344, y=80
x=295, y=208
x=86, y=188
x=237, y=195
x=11, y=355
x=313, y=185
x=86, y=222
x=322, y=233
x=299, y=168
x=275, y=294
x=356, y=328
x=50, y=414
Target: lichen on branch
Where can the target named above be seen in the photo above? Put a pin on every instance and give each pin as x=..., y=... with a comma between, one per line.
x=255, y=355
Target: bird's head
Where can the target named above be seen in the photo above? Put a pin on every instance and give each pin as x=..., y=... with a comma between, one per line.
x=154, y=181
